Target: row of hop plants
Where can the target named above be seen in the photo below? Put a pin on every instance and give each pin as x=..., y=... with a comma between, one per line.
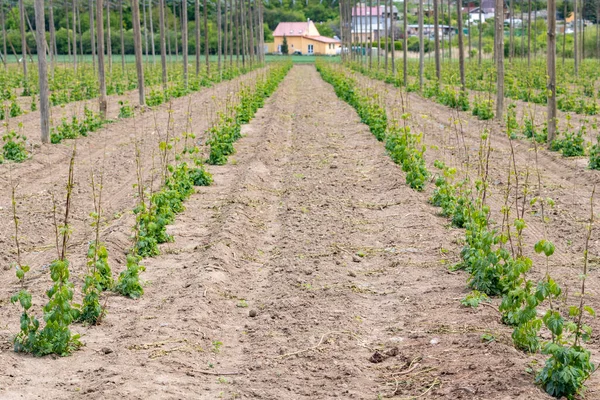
x=178, y=88
x=155, y=210
x=75, y=128
x=498, y=267
x=67, y=86
x=569, y=143
x=14, y=147
x=528, y=83
x=448, y=95
x=494, y=270
x=92, y=121
x=444, y=94
x=227, y=129
x=402, y=145
x=53, y=335
x=521, y=83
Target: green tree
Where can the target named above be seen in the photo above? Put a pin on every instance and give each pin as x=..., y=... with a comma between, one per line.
x=284, y=45
x=560, y=9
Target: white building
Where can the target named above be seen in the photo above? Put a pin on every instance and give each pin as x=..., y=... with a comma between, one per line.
x=368, y=23
x=483, y=13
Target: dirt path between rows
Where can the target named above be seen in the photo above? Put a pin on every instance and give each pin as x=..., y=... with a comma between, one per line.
x=308, y=270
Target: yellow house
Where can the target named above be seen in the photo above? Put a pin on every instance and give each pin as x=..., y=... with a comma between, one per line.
x=305, y=38
x=570, y=18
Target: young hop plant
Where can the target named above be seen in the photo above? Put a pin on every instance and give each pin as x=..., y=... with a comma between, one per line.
x=99, y=276
x=14, y=148
x=59, y=312
x=569, y=364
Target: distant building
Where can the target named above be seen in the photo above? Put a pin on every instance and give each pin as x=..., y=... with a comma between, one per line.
x=429, y=30
x=304, y=37
x=487, y=11
x=368, y=23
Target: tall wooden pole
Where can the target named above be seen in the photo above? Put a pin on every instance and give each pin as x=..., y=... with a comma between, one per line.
x=582, y=31
x=461, y=46
x=522, y=33
x=122, y=35
x=74, y=35
x=393, y=40
x=237, y=32
x=499, y=20
x=251, y=25
x=449, y=31
x=385, y=28
x=378, y=33
x=551, y=65
x=370, y=34
x=40, y=25
x=163, y=45
x=152, y=44
x=529, y=33
x=23, y=39
x=176, y=37
x=92, y=32
x=421, y=46
x=511, y=37
x=480, y=32
x=405, y=42
x=206, y=37
x=137, y=43
x=231, y=13
x=101, y=74
x=564, y=36
x=80, y=31
x=575, y=36
x=52, y=36
x=167, y=33
x=197, y=32
x=436, y=35
x=145, y=26
x=66, y=7
x=225, y=36
x=243, y=28
x=184, y=39
x=108, y=37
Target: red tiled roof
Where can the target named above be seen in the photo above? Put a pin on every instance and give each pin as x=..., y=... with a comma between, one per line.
x=301, y=29
x=291, y=29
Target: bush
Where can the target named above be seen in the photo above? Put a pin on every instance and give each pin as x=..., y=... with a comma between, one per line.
x=595, y=156
x=572, y=144
x=413, y=45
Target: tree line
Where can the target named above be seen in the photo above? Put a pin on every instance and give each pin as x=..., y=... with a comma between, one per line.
x=239, y=31
x=70, y=26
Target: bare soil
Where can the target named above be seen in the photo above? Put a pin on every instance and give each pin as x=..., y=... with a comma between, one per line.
x=309, y=269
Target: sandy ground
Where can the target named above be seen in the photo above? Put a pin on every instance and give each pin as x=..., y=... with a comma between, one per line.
x=308, y=270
